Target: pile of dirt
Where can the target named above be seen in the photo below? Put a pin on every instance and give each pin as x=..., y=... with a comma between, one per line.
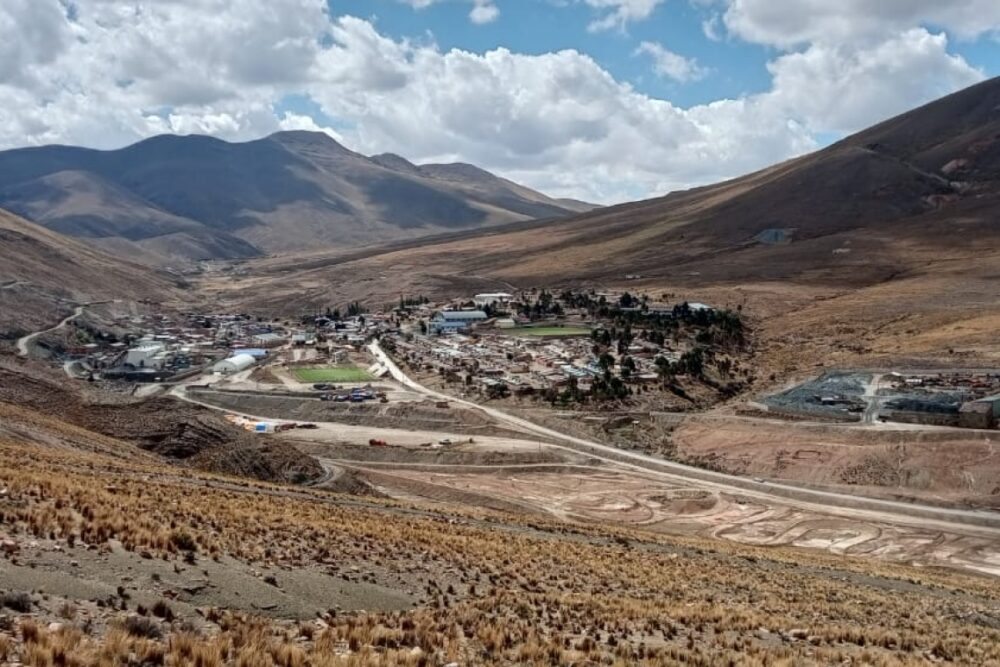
x=182, y=433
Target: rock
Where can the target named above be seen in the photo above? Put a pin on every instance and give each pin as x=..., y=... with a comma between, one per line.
x=271, y=579
x=9, y=546
x=797, y=633
x=74, y=563
x=55, y=627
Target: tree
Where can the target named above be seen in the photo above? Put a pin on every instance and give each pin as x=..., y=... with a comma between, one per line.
x=628, y=367
x=498, y=390
x=606, y=361
x=551, y=395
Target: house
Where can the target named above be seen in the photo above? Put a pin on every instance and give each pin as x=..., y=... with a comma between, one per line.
x=450, y=321
x=234, y=364
x=304, y=339
x=492, y=298
x=982, y=413
x=267, y=340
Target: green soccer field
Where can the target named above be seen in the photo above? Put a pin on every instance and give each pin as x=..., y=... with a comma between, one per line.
x=549, y=332
x=346, y=373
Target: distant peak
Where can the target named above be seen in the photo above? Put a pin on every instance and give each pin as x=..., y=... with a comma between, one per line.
x=303, y=135
x=394, y=162
x=306, y=137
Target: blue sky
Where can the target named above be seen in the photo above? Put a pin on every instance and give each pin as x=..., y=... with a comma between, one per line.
x=603, y=100
x=735, y=67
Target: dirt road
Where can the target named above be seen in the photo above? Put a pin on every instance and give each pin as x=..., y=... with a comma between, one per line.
x=985, y=522
x=24, y=343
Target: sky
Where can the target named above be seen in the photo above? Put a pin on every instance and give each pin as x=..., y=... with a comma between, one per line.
x=601, y=100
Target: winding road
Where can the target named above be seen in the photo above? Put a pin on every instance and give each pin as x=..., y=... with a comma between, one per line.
x=24, y=343
x=981, y=522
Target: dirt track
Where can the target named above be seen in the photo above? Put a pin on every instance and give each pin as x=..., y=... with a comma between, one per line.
x=650, y=493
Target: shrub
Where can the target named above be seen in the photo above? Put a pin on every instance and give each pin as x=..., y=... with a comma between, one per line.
x=140, y=626
x=16, y=601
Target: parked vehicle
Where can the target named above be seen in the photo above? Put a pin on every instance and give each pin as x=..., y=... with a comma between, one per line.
x=326, y=397
x=341, y=398
x=322, y=386
x=378, y=443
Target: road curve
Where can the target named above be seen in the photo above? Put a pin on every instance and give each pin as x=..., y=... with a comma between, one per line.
x=24, y=343
x=828, y=502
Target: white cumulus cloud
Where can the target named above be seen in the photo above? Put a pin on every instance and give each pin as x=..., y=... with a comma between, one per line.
x=104, y=73
x=619, y=13
x=672, y=65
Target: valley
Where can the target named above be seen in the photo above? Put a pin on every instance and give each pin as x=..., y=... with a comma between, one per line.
x=357, y=411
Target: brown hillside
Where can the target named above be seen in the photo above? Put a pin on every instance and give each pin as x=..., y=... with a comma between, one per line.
x=897, y=224
x=44, y=274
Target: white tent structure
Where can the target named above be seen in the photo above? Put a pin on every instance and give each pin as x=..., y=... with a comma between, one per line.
x=234, y=364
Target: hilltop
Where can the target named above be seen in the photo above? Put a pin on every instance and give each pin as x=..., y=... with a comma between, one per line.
x=170, y=199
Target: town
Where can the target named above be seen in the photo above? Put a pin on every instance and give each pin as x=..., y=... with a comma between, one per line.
x=564, y=347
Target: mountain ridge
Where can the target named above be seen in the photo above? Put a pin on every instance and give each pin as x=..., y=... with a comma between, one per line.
x=288, y=191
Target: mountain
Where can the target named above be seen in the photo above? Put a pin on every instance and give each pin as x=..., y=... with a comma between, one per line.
x=845, y=212
x=174, y=198
x=44, y=274
x=894, y=230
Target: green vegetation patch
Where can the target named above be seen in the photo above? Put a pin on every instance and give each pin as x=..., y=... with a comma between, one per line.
x=345, y=373
x=549, y=331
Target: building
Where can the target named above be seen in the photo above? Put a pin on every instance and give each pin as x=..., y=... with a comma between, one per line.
x=450, y=321
x=982, y=413
x=234, y=364
x=255, y=352
x=143, y=355
x=492, y=298
x=267, y=340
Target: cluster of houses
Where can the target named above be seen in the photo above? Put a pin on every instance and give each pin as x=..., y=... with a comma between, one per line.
x=166, y=346
x=965, y=400
x=523, y=362
x=331, y=339
x=471, y=345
